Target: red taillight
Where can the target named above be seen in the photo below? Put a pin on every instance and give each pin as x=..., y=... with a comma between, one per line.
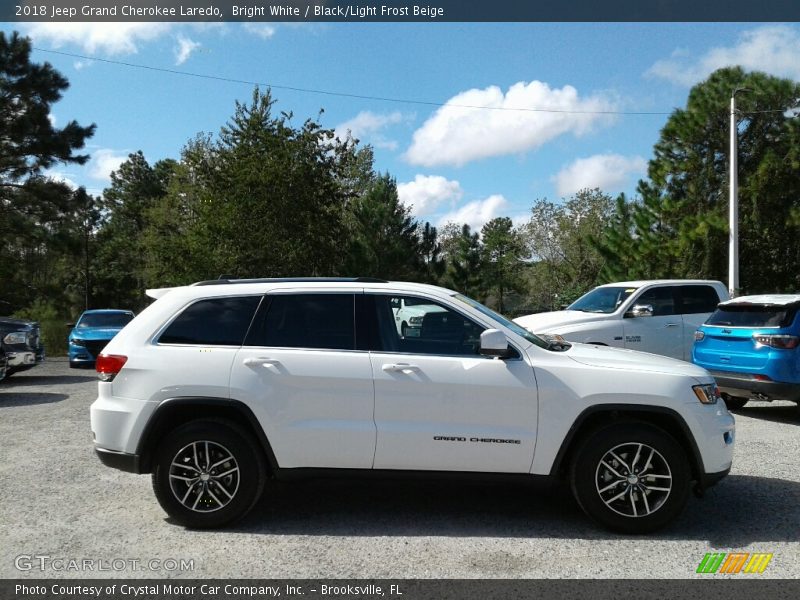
x=108, y=365
x=762, y=378
x=783, y=342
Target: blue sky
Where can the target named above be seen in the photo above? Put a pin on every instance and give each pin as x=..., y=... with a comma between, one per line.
x=452, y=163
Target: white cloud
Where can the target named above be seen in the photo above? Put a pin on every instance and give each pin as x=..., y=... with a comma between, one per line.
x=455, y=135
x=52, y=118
x=62, y=178
x=262, y=30
x=476, y=213
x=184, y=49
x=427, y=192
x=609, y=172
x=367, y=126
x=772, y=48
x=82, y=64
x=112, y=38
x=104, y=161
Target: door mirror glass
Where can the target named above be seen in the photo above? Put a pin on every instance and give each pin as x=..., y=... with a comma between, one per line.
x=641, y=310
x=494, y=343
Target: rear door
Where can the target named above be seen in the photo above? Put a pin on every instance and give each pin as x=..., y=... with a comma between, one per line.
x=311, y=389
x=440, y=405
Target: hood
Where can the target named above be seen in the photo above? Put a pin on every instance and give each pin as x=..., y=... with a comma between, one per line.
x=632, y=360
x=542, y=322
x=95, y=333
x=16, y=324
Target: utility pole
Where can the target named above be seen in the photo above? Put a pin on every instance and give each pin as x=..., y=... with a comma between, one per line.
x=733, y=204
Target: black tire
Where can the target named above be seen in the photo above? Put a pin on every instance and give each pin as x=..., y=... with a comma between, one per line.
x=404, y=329
x=639, y=508
x=244, y=484
x=735, y=402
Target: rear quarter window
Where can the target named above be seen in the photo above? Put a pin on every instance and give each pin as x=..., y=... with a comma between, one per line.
x=212, y=322
x=698, y=299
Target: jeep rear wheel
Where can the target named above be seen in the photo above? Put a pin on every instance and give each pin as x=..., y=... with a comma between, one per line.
x=632, y=477
x=208, y=473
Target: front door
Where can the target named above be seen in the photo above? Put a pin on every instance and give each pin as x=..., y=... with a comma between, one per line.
x=660, y=334
x=440, y=405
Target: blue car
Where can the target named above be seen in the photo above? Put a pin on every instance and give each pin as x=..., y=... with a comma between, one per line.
x=92, y=332
x=750, y=346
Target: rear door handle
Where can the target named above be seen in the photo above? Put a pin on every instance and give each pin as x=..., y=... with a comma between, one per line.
x=261, y=361
x=671, y=324
x=399, y=368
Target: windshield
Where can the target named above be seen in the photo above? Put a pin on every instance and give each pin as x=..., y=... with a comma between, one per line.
x=748, y=315
x=520, y=331
x=602, y=299
x=105, y=320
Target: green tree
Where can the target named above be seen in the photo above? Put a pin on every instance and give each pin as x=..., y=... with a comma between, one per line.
x=384, y=240
x=37, y=214
x=559, y=240
x=683, y=207
x=502, y=261
x=121, y=259
x=462, y=250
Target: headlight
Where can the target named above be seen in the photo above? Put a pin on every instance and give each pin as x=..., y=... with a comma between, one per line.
x=415, y=320
x=707, y=393
x=18, y=337
x=77, y=342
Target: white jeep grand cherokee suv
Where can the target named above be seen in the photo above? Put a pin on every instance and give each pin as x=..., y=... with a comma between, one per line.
x=219, y=386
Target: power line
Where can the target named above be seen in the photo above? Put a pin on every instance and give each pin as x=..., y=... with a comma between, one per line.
x=344, y=94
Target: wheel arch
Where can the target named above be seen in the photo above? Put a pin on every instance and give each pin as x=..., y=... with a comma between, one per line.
x=596, y=417
x=174, y=412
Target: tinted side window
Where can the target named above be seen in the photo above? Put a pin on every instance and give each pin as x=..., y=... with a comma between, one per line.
x=425, y=327
x=661, y=299
x=213, y=322
x=698, y=299
x=307, y=321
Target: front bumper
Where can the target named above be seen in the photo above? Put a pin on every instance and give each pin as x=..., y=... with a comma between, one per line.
x=765, y=390
x=119, y=460
x=21, y=359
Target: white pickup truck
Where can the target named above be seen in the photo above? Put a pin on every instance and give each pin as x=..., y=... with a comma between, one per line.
x=658, y=316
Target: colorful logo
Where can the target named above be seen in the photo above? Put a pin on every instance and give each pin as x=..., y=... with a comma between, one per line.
x=734, y=562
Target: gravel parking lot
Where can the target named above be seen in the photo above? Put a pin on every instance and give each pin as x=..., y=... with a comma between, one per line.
x=57, y=500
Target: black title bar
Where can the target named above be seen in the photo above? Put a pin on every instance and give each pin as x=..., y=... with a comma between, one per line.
x=401, y=11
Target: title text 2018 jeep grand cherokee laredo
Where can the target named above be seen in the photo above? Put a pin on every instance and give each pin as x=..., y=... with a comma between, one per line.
x=217, y=386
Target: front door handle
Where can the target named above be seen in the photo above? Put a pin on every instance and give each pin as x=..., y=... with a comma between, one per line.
x=399, y=368
x=261, y=361
x=671, y=324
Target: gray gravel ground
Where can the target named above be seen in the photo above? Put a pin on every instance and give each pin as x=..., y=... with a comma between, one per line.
x=56, y=499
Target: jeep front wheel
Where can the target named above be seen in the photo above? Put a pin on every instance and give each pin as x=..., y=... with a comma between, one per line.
x=632, y=477
x=208, y=473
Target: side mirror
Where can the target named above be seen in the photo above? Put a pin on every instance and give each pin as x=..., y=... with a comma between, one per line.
x=641, y=310
x=495, y=343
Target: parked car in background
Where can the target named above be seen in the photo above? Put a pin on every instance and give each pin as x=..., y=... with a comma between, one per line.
x=21, y=341
x=658, y=316
x=94, y=329
x=409, y=314
x=750, y=346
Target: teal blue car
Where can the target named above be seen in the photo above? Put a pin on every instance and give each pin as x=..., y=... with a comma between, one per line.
x=751, y=345
x=92, y=332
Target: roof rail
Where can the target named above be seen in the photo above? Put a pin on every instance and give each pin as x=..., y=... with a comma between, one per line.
x=293, y=280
